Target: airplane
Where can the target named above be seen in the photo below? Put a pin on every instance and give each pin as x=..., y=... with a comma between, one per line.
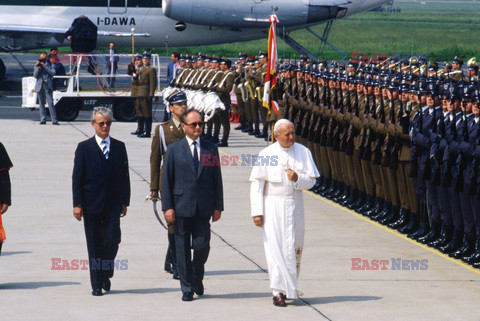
x=36, y=24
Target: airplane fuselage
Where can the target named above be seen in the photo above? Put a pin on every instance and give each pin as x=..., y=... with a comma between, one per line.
x=151, y=20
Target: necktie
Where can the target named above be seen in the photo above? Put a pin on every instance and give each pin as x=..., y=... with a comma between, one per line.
x=195, y=156
x=180, y=129
x=105, y=148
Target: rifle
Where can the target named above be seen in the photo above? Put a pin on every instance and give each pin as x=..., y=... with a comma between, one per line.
x=457, y=171
x=398, y=143
x=367, y=152
x=426, y=163
x=326, y=121
x=339, y=128
x=447, y=163
x=377, y=150
x=416, y=150
x=348, y=135
x=436, y=174
x=474, y=172
x=332, y=124
x=363, y=136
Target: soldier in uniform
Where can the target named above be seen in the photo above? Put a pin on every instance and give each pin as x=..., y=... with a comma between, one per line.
x=147, y=85
x=223, y=89
x=165, y=134
x=133, y=70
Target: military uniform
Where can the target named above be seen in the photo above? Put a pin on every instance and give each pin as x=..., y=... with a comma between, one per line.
x=165, y=134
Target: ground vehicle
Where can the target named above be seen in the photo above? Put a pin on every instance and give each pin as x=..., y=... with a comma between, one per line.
x=87, y=87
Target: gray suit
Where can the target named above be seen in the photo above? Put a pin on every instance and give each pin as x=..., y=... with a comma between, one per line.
x=194, y=197
x=44, y=90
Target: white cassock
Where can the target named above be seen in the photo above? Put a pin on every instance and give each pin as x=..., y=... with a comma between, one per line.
x=280, y=201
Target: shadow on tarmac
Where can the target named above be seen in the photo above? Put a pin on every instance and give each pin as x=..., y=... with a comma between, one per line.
x=226, y=272
x=14, y=252
x=33, y=285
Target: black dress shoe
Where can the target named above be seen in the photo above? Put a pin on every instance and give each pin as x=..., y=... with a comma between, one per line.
x=97, y=292
x=137, y=132
x=187, y=296
x=55, y=123
x=454, y=244
x=144, y=135
x=222, y=143
x=241, y=126
x=107, y=284
x=43, y=122
x=198, y=288
x=254, y=133
x=262, y=135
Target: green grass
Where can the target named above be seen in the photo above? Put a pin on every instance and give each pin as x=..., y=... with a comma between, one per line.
x=438, y=30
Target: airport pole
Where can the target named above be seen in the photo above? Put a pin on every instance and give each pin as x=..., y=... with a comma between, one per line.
x=166, y=45
x=133, y=45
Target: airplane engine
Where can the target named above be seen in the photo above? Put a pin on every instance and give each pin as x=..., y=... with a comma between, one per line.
x=251, y=13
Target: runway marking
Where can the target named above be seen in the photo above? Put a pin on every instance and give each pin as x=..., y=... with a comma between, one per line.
x=381, y=226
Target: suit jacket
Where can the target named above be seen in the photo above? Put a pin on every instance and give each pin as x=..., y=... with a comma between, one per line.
x=184, y=191
x=171, y=134
x=44, y=77
x=99, y=183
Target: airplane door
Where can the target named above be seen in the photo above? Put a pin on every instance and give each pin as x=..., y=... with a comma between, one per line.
x=117, y=6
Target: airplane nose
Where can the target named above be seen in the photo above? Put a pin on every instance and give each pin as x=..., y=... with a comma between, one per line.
x=321, y=13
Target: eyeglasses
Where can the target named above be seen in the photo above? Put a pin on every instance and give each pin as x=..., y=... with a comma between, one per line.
x=104, y=123
x=193, y=125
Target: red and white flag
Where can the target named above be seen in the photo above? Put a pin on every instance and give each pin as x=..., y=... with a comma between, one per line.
x=271, y=75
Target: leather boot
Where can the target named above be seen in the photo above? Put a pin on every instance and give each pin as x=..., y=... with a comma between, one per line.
x=345, y=195
x=223, y=142
x=140, y=122
x=468, y=246
x=394, y=215
x=248, y=128
x=443, y=239
x=369, y=204
x=339, y=191
x=423, y=225
x=349, y=197
x=433, y=234
x=318, y=183
x=384, y=212
x=412, y=225
x=362, y=198
x=454, y=244
x=326, y=185
x=147, y=131
x=376, y=208
x=242, y=125
x=402, y=219
x=256, y=131
x=264, y=133
x=352, y=199
x=331, y=189
x=475, y=257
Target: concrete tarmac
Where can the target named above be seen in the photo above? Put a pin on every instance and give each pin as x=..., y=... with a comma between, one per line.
x=417, y=283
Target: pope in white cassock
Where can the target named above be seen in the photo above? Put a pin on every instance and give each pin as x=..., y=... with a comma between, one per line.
x=285, y=169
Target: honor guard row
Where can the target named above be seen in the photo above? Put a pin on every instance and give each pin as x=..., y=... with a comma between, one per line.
x=397, y=141
x=213, y=74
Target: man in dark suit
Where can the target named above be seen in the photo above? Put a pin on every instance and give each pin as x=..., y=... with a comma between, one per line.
x=192, y=193
x=101, y=194
x=165, y=134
